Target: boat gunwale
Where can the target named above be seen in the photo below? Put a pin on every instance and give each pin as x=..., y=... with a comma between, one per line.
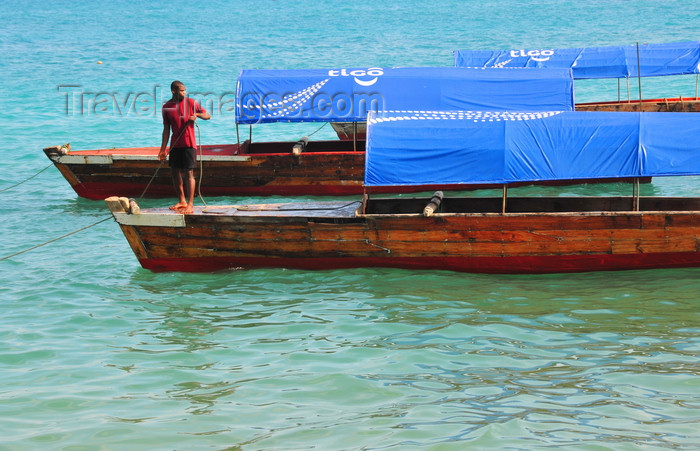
x=534, y=213
x=272, y=212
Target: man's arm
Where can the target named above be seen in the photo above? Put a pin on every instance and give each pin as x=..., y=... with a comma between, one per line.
x=203, y=115
x=164, y=140
x=199, y=113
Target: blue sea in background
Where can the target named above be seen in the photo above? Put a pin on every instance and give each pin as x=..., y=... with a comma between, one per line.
x=98, y=353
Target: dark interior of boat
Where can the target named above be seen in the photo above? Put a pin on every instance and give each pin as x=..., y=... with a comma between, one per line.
x=310, y=147
x=530, y=204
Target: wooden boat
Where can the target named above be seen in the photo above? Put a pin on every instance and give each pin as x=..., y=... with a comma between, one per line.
x=680, y=58
x=248, y=169
x=616, y=62
x=621, y=62
x=316, y=167
x=472, y=234
x=536, y=235
x=324, y=168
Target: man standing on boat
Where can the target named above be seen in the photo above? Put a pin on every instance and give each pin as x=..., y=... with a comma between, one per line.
x=179, y=115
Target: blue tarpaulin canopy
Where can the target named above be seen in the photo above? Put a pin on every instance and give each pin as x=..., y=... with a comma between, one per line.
x=347, y=95
x=675, y=58
x=446, y=148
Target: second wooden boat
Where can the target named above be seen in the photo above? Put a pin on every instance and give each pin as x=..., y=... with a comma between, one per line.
x=472, y=234
x=257, y=169
x=629, y=62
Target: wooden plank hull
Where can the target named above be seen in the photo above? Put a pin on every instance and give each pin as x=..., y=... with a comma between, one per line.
x=329, y=235
x=672, y=105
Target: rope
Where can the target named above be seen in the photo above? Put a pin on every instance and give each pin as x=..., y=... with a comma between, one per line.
x=201, y=160
x=100, y=221
x=25, y=180
x=56, y=239
x=312, y=134
x=160, y=165
x=151, y=181
x=201, y=164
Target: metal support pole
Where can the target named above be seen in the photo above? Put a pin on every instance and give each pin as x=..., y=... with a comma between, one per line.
x=639, y=77
x=354, y=136
x=505, y=195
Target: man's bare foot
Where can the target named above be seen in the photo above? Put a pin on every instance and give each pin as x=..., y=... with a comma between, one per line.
x=178, y=206
x=187, y=210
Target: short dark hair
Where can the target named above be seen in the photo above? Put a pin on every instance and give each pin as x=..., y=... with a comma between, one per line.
x=176, y=85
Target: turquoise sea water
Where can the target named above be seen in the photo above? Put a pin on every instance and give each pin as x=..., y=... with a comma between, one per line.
x=97, y=353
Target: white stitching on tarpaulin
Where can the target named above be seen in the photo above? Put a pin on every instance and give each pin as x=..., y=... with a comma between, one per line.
x=476, y=116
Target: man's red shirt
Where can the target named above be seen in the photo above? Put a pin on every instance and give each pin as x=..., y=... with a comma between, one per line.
x=177, y=114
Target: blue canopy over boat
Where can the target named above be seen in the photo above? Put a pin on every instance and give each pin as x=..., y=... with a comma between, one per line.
x=445, y=148
x=347, y=95
x=675, y=58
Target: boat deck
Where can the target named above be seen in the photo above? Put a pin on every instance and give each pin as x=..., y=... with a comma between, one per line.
x=450, y=206
x=325, y=209
x=225, y=150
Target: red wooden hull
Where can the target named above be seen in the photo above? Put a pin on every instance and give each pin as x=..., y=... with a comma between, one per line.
x=326, y=168
x=330, y=235
x=476, y=265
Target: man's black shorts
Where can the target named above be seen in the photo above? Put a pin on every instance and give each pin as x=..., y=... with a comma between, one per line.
x=183, y=158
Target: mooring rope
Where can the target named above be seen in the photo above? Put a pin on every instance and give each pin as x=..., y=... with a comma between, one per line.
x=56, y=239
x=201, y=165
x=199, y=189
x=152, y=178
x=201, y=160
x=25, y=180
x=313, y=133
